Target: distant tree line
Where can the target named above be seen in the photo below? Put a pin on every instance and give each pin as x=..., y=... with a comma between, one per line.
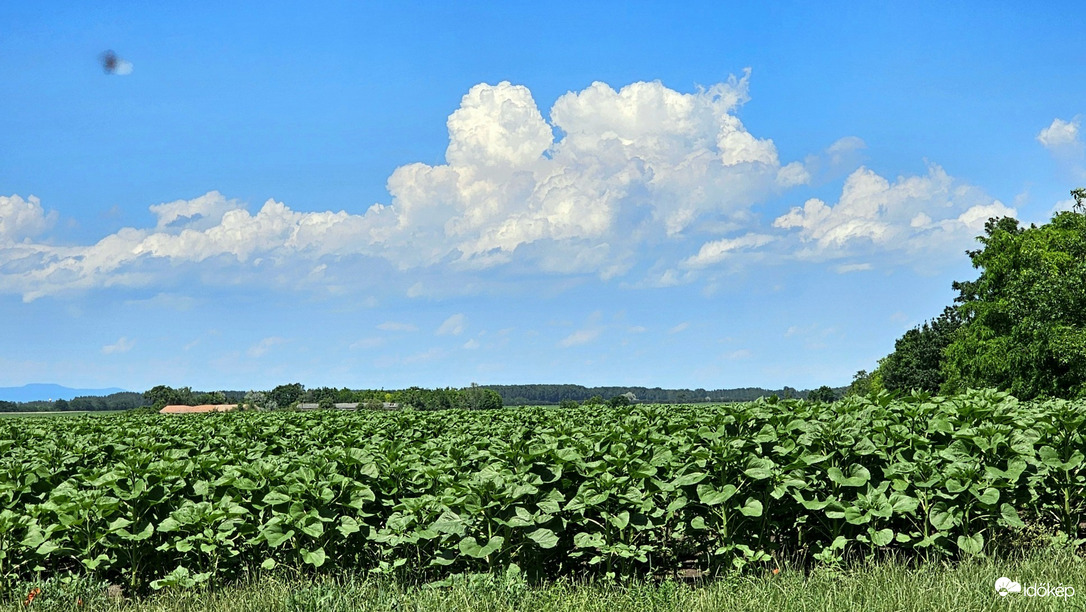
x=294, y=394
x=521, y=395
x=125, y=400
x=474, y=397
x=1019, y=327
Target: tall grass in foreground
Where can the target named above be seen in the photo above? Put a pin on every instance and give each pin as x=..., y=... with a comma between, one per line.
x=892, y=586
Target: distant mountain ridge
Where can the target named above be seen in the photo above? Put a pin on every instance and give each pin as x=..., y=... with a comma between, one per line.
x=43, y=392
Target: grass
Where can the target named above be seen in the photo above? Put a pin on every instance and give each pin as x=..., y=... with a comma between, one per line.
x=888, y=586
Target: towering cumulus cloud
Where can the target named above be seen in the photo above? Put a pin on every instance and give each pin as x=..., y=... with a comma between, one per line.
x=606, y=180
x=632, y=167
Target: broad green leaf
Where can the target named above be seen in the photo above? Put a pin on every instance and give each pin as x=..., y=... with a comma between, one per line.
x=276, y=497
x=620, y=520
x=470, y=547
x=759, y=468
x=347, y=526
x=689, y=479
x=971, y=545
x=711, y=496
x=857, y=476
x=753, y=507
x=987, y=496
x=544, y=537
x=1009, y=516
x=883, y=537
x=316, y=558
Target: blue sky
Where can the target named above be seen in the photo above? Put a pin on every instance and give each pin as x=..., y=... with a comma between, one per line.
x=395, y=194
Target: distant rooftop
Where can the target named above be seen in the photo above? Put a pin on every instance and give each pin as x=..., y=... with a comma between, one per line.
x=198, y=409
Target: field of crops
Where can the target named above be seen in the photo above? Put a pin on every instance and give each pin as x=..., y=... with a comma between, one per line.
x=157, y=500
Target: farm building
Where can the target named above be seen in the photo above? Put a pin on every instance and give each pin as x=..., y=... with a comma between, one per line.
x=198, y=409
x=348, y=406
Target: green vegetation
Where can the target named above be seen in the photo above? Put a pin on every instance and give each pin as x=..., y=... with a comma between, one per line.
x=155, y=501
x=537, y=395
x=113, y=402
x=289, y=396
x=1020, y=327
x=884, y=587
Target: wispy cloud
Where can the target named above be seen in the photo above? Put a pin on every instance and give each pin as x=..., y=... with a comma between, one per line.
x=424, y=356
x=854, y=267
x=678, y=328
x=122, y=345
x=261, y=348
x=453, y=326
x=366, y=343
x=396, y=326
x=579, y=337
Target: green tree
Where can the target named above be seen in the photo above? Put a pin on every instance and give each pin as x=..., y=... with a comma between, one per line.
x=917, y=360
x=60, y=404
x=618, y=400
x=285, y=395
x=865, y=383
x=163, y=395
x=1025, y=316
x=822, y=394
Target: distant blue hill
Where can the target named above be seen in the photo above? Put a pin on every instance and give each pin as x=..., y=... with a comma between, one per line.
x=41, y=392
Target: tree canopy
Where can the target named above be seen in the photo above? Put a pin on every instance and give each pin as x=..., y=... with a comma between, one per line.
x=1025, y=316
x=916, y=363
x=1019, y=327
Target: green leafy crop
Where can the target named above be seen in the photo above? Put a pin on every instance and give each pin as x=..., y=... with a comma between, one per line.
x=158, y=501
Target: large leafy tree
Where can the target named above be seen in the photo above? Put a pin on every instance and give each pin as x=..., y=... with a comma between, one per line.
x=1025, y=316
x=916, y=363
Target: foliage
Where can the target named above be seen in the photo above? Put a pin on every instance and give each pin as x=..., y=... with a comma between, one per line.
x=286, y=395
x=536, y=395
x=1025, y=316
x=822, y=394
x=160, y=501
x=619, y=400
x=865, y=383
x=916, y=363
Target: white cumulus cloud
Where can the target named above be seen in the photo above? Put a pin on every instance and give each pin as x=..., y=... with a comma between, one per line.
x=910, y=215
x=633, y=169
x=23, y=219
x=1061, y=134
